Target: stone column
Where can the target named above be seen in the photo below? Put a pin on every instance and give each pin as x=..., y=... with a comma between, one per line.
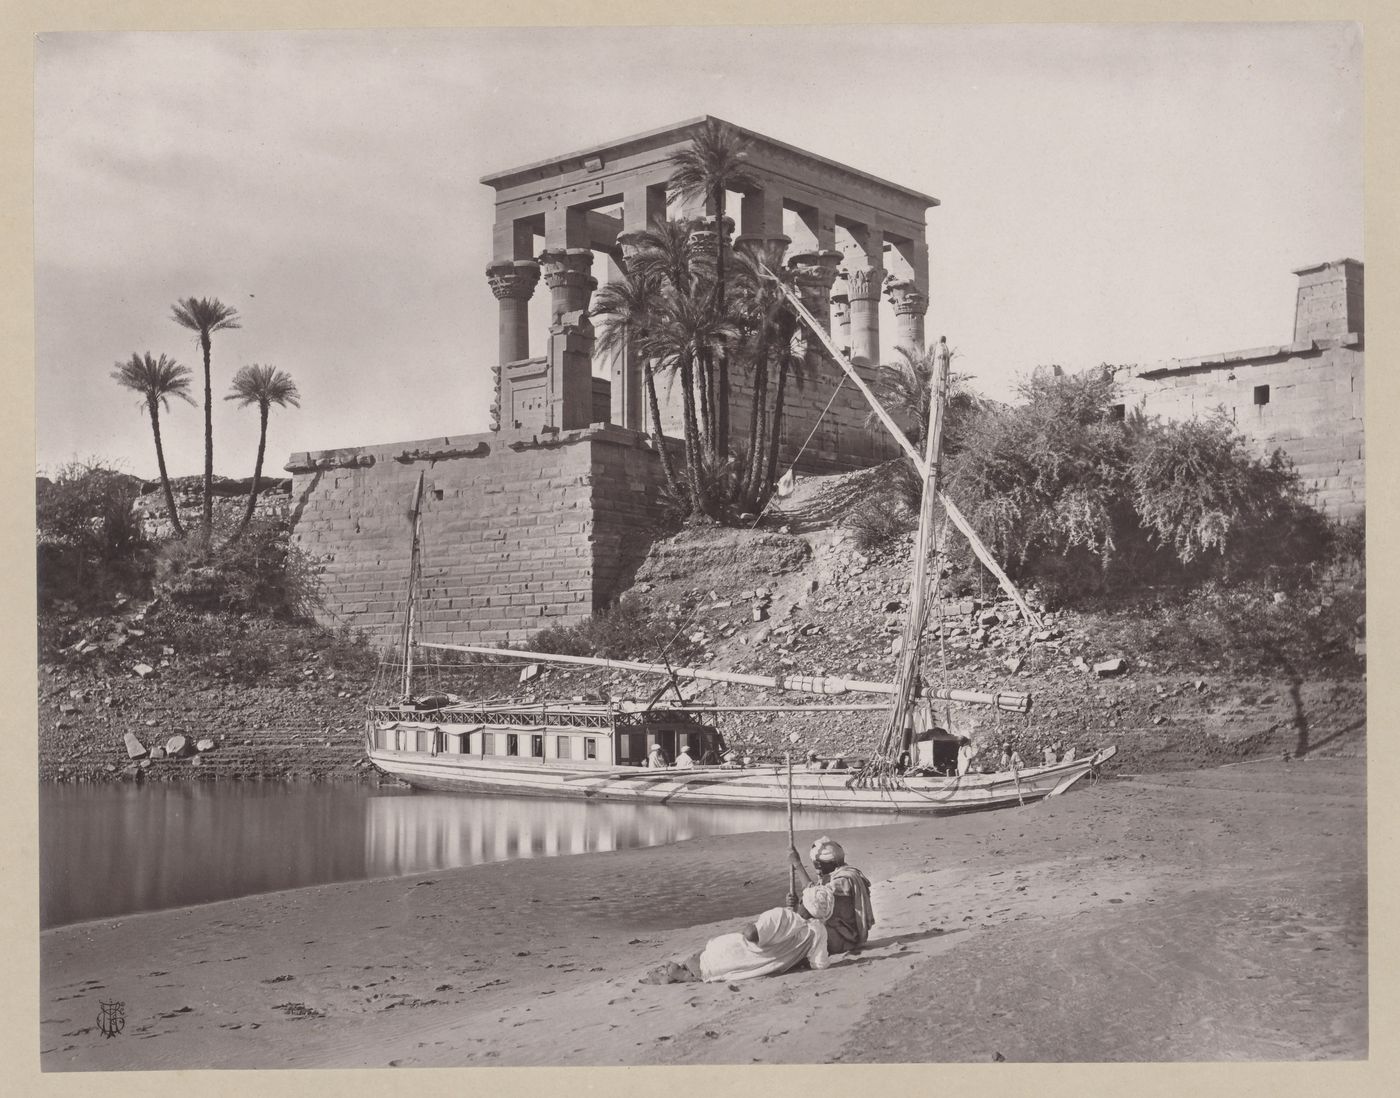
x=816, y=274
x=570, y=284
x=513, y=282
x=569, y=386
x=910, y=304
x=761, y=223
x=864, y=285
x=841, y=317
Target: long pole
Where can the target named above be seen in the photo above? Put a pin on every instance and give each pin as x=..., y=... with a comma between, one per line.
x=412, y=591
x=982, y=553
x=1010, y=701
x=792, y=841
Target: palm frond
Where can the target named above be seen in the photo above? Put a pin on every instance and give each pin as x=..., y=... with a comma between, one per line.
x=263, y=386
x=155, y=379
x=204, y=315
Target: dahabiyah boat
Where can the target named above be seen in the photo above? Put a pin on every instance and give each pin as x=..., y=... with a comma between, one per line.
x=600, y=750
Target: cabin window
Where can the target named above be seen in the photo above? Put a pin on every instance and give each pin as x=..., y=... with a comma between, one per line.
x=1261, y=395
x=512, y=744
x=561, y=747
x=590, y=748
x=536, y=747
x=488, y=743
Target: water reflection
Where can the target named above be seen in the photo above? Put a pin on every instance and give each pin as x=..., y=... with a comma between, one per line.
x=439, y=830
x=109, y=850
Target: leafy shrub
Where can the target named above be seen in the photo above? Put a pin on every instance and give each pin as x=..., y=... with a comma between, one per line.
x=261, y=573
x=625, y=631
x=90, y=543
x=1080, y=503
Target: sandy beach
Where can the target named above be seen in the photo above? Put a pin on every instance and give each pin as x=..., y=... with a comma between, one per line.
x=1192, y=916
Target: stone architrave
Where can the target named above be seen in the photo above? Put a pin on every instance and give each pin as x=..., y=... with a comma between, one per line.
x=864, y=285
x=910, y=304
x=513, y=282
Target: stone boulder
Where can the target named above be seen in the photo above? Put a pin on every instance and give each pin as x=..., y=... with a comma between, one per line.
x=135, y=749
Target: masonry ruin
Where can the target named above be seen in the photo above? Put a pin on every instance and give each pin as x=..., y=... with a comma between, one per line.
x=538, y=521
x=1306, y=397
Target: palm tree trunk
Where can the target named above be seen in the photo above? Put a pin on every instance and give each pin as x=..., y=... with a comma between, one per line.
x=657, y=436
x=257, y=474
x=164, y=476
x=722, y=365
x=758, y=413
x=692, y=437
x=207, y=520
x=706, y=389
x=773, y=442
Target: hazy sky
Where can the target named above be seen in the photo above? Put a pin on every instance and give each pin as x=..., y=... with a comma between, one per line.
x=1120, y=194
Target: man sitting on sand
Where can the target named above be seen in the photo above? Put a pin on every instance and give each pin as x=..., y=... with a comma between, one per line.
x=848, y=926
x=776, y=941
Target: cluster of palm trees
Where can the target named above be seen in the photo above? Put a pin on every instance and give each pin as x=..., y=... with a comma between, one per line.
x=158, y=378
x=690, y=306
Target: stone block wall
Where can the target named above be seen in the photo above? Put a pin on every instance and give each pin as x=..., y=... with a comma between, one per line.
x=519, y=531
x=843, y=438
x=1307, y=399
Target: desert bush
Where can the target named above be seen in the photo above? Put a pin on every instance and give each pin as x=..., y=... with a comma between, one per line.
x=90, y=543
x=1080, y=503
x=260, y=573
x=624, y=631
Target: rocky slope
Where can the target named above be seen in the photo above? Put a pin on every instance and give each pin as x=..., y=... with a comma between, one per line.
x=794, y=596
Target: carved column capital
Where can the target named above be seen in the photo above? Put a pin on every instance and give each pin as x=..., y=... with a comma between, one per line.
x=865, y=283
x=513, y=278
x=568, y=268
x=816, y=270
x=907, y=298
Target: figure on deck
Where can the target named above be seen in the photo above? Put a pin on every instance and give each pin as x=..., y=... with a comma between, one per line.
x=776, y=941
x=965, y=754
x=683, y=760
x=1011, y=759
x=848, y=926
x=656, y=758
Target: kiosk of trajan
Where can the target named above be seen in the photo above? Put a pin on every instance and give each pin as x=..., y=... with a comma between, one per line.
x=535, y=522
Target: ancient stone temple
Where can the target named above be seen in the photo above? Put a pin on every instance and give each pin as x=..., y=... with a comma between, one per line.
x=855, y=242
x=539, y=520
x=1306, y=397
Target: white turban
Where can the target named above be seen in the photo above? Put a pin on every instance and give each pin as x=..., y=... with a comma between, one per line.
x=826, y=849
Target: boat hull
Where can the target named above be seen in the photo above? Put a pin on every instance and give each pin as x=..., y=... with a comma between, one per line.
x=760, y=787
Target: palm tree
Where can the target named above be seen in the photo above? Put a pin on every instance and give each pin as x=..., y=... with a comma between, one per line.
x=626, y=309
x=769, y=323
x=902, y=387
x=206, y=315
x=715, y=161
x=157, y=380
x=263, y=386
x=686, y=331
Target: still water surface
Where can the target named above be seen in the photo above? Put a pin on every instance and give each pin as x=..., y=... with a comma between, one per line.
x=109, y=850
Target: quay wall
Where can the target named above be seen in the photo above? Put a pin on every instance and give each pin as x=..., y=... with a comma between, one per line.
x=520, y=530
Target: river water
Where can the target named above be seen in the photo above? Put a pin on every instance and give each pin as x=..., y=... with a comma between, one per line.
x=115, y=849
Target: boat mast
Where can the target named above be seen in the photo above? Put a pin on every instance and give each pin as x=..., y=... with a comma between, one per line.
x=907, y=677
x=413, y=564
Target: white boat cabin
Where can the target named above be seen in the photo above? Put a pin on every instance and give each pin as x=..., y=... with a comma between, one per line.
x=577, y=735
